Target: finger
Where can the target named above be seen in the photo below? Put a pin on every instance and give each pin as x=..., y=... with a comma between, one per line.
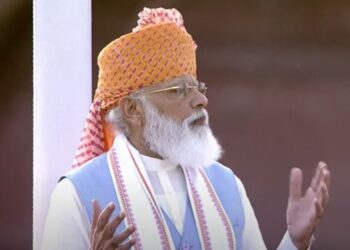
x=324, y=178
x=125, y=234
x=96, y=212
x=319, y=208
x=126, y=245
x=111, y=227
x=295, y=184
x=317, y=176
x=327, y=176
x=104, y=216
x=324, y=195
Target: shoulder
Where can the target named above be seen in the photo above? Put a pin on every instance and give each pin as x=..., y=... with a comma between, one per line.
x=64, y=189
x=218, y=169
x=94, y=173
x=225, y=175
x=221, y=175
x=92, y=168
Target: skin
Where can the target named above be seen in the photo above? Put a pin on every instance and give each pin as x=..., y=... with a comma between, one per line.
x=304, y=211
x=103, y=229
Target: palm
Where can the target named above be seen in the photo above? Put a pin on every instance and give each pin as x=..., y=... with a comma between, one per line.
x=304, y=212
x=301, y=217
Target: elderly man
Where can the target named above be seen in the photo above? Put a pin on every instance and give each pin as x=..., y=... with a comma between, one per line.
x=148, y=157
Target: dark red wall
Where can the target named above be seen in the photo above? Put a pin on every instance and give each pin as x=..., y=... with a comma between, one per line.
x=16, y=125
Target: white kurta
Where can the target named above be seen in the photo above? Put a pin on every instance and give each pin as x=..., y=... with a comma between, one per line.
x=68, y=227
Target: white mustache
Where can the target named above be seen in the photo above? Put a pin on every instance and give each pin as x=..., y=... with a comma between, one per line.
x=197, y=115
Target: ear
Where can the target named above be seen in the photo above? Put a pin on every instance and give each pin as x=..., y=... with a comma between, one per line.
x=132, y=111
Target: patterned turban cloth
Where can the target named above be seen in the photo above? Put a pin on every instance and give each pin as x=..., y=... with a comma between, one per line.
x=158, y=49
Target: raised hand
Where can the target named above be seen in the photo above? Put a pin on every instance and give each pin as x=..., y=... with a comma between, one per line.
x=305, y=211
x=103, y=229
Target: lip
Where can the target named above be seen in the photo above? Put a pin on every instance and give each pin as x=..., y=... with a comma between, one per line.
x=200, y=121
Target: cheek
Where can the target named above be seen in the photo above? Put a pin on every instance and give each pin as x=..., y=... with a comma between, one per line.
x=179, y=111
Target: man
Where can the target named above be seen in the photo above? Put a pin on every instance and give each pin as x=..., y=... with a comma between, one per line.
x=159, y=183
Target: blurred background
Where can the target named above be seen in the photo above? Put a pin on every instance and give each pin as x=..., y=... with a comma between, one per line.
x=278, y=74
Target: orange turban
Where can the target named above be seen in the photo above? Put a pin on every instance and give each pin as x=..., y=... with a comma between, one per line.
x=158, y=49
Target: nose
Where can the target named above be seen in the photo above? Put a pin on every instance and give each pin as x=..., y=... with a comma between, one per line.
x=199, y=100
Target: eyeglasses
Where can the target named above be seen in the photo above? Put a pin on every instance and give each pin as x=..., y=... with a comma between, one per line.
x=182, y=90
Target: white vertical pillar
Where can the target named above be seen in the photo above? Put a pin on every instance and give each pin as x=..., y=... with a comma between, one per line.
x=62, y=94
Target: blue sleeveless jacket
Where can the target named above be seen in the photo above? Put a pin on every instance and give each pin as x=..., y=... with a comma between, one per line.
x=93, y=181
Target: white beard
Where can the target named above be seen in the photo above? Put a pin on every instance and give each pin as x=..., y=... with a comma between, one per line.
x=192, y=146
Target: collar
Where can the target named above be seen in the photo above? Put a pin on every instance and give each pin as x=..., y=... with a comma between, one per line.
x=155, y=164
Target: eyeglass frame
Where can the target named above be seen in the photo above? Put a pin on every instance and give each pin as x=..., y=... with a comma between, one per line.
x=200, y=87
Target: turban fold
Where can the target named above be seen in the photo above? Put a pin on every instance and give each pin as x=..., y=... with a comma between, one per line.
x=158, y=49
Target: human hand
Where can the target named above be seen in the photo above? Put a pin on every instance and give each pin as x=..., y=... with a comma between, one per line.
x=305, y=212
x=102, y=229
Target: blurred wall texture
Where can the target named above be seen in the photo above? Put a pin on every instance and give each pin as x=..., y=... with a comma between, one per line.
x=279, y=96
x=16, y=124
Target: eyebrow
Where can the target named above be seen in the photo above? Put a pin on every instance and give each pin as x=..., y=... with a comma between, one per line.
x=168, y=84
x=184, y=82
